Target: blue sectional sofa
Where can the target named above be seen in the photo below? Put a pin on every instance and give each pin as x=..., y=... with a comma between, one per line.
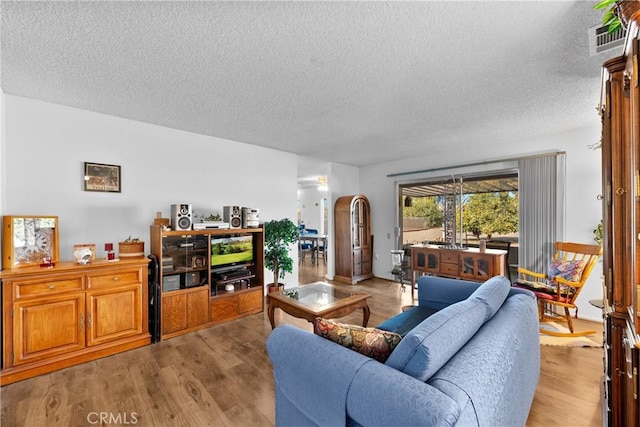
x=469, y=356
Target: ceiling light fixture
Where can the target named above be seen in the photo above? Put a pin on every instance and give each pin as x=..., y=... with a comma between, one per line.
x=322, y=183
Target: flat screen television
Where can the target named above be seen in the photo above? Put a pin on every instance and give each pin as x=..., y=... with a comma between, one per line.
x=233, y=250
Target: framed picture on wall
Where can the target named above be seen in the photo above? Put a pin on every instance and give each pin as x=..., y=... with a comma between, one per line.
x=101, y=177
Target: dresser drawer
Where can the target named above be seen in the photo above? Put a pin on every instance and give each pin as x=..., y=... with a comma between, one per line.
x=449, y=256
x=39, y=288
x=122, y=277
x=451, y=269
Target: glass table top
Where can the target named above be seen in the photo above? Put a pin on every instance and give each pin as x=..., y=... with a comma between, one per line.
x=319, y=294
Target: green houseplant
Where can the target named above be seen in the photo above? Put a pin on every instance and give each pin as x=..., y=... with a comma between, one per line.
x=278, y=237
x=597, y=233
x=610, y=18
x=617, y=13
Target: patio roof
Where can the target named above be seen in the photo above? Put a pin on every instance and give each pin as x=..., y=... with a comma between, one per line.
x=469, y=186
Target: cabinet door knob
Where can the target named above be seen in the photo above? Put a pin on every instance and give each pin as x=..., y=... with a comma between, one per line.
x=620, y=191
x=115, y=278
x=52, y=286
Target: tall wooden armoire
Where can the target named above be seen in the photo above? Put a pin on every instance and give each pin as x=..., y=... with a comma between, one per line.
x=620, y=109
x=353, y=240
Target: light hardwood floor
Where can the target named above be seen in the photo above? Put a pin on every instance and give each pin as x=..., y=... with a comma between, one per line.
x=222, y=376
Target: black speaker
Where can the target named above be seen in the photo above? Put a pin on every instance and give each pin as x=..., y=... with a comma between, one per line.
x=154, y=299
x=232, y=215
x=181, y=217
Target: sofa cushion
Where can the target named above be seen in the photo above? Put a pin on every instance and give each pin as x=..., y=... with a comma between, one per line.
x=424, y=350
x=440, y=292
x=371, y=342
x=492, y=294
x=498, y=368
x=404, y=322
x=568, y=270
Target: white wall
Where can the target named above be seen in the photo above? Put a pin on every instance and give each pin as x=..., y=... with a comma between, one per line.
x=45, y=145
x=583, y=210
x=311, y=206
x=3, y=170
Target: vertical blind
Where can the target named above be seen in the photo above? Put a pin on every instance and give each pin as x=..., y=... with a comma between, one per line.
x=541, y=192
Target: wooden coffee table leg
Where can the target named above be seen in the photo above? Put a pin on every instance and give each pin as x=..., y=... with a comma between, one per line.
x=271, y=310
x=365, y=315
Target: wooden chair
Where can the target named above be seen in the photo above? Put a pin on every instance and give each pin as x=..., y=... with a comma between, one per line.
x=561, y=285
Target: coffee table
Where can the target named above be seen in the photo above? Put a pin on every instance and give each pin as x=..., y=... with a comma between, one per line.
x=318, y=299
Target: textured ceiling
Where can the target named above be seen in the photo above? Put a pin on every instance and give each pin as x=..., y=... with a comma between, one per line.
x=351, y=82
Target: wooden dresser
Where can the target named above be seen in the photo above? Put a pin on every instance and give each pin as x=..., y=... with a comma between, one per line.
x=53, y=318
x=468, y=264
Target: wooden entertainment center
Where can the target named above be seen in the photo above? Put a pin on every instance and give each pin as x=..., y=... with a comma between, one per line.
x=195, y=294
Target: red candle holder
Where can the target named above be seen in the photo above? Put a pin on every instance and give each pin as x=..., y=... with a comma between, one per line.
x=110, y=254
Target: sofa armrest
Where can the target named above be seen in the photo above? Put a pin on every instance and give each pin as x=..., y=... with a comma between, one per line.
x=382, y=396
x=309, y=387
x=317, y=381
x=439, y=292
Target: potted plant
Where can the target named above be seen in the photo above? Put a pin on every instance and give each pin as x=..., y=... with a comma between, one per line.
x=617, y=13
x=278, y=237
x=598, y=233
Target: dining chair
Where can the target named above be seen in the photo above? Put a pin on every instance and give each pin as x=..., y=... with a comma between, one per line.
x=304, y=248
x=314, y=243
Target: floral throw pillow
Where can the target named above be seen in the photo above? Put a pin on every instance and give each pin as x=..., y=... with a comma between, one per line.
x=568, y=270
x=371, y=342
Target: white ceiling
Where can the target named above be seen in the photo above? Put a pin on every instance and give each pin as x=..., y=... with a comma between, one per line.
x=350, y=82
